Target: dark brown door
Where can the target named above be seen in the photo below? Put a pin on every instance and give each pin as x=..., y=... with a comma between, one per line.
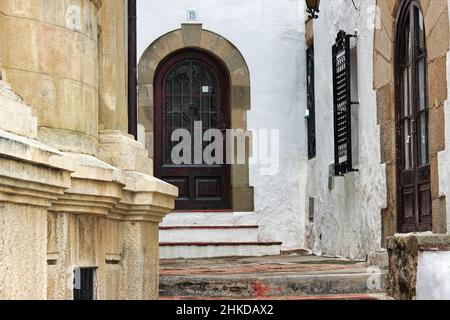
x=191, y=87
x=413, y=161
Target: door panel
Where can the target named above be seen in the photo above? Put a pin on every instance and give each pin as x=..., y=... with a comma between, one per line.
x=414, y=183
x=192, y=87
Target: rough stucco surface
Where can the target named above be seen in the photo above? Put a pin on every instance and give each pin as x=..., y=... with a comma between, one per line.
x=347, y=218
x=270, y=37
x=433, y=276
x=24, y=242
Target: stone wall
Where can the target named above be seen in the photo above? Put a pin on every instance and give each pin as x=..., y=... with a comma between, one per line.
x=437, y=31
x=113, y=112
x=71, y=195
x=50, y=58
x=405, y=261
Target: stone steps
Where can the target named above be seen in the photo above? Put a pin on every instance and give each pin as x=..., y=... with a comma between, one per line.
x=269, y=285
x=325, y=297
x=208, y=218
x=197, y=250
x=211, y=233
x=193, y=235
x=290, y=277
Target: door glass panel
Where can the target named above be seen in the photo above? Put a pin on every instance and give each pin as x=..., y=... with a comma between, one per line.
x=422, y=85
x=406, y=92
x=408, y=145
x=407, y=48
x=190, y=95
x=423, y=138
x=420, y=30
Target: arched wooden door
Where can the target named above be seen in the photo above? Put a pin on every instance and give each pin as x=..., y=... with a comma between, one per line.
x=413, y=160
x=192, y=87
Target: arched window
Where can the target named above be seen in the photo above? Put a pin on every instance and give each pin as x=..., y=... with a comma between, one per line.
x=413, y=159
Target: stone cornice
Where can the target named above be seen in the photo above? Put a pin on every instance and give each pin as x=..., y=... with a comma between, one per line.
x=31, y=173
x=145, y=198
x=96, y=188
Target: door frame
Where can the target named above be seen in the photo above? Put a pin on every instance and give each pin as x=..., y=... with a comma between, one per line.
x=223, y=79
x=402, y=15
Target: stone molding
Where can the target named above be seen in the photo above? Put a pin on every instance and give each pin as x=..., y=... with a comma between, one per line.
x=437, y=31
x=192, y=35
x=32, y=173
x=30, y=180
x=144, y=197
x=101, y=189
x=124, y=152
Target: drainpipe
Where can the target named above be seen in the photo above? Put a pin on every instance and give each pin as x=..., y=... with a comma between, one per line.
x=132, y=69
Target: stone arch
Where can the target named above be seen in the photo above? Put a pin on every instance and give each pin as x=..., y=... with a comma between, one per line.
x=437, y=34
x=194, y=36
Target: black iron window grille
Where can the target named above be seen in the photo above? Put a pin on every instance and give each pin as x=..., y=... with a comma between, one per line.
x=342, y=104
x=311, y=104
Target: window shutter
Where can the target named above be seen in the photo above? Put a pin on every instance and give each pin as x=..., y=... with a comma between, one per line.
x=342, y=104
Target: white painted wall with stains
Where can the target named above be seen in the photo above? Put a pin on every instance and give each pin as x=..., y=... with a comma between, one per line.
x=347, y=216
x=433, y=281
x=271, y=37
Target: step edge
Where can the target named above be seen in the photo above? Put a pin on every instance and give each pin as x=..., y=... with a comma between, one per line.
x=218, y=244
x=167, y=228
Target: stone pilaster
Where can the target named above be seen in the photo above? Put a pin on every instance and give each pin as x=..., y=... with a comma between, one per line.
x=113, y=105
x=144, y=203
x=78, y=230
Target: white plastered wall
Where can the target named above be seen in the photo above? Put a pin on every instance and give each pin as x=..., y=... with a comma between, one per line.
x=348, y=216
x=270, y=36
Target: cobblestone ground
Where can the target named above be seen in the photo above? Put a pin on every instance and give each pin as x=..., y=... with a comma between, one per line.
x=292, y=277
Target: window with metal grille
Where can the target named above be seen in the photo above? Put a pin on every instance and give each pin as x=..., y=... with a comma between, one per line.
x=311, y=112
x=342, y=88
x=84, y=284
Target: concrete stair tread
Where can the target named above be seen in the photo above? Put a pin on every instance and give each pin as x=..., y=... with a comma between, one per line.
x=269, y=286
x=197, y=227
x=209, y=219
x=274, y=277
x=196, y=250
x=324, y=297
x=204, y=244
x=193, y=235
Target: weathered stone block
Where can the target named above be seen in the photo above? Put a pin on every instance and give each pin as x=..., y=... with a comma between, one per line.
x=192, y=33
x=438, y=40
x=404, y=251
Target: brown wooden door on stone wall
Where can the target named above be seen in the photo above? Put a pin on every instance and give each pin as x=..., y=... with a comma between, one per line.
x=190, y=87
x=413, y=161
